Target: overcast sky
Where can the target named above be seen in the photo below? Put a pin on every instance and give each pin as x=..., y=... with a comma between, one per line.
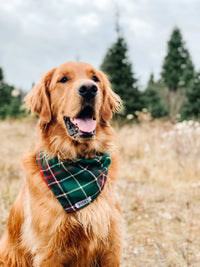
x=37, y=35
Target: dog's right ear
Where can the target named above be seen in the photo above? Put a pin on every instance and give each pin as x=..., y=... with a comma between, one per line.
x=38, y=100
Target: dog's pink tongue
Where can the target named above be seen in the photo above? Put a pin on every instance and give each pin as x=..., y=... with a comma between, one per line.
x=86, y=125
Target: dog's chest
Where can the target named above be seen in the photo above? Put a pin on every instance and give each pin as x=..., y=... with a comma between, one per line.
x=91, y=230
x=95, y=219
x=81, y=234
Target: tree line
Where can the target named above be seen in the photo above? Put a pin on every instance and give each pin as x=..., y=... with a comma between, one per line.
x=176, y=94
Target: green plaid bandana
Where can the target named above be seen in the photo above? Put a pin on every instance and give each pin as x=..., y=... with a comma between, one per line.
x=75, y=184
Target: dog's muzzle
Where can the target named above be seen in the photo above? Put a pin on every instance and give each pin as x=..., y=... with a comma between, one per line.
x=88, y=90
x=83, y=126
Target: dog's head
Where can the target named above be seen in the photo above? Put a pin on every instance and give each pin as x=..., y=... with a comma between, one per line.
x=77, y=97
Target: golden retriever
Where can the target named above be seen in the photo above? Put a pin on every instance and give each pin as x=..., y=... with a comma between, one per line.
x=75, y=104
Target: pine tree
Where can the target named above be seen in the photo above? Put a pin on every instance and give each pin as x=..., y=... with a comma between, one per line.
x=177, y=69
x=152, y=100
x=191, y=107
x=151, y=81
x=1, y=75
x=5, y=90
x=10, y=106
x=119, y=70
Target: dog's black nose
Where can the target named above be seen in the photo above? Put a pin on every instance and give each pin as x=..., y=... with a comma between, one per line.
x=88, y=90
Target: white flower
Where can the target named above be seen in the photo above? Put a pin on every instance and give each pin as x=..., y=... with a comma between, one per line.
x=164, y=135
x=147, y=148
x=190, y=123
x=165, y=215
x=179, y=126
x=130, y=116
x=136, y=251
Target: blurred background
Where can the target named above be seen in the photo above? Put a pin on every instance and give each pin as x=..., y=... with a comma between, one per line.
x=150, y=51
x=141, y=45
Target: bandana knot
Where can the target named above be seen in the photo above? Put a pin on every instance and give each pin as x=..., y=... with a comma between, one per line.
x=74, y=183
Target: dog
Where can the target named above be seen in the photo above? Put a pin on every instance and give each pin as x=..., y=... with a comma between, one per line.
x=75, y=103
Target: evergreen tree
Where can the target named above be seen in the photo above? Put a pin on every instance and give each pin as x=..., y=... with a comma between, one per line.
x=1, y=75
x=152, y=100
x=191, y=107
x=5, y=91
x=177, y=69
x=117, y=66
x=10, y=106
x=151, y=81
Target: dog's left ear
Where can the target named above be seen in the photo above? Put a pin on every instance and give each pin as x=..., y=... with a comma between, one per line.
x=38, y=100
x=111, y=101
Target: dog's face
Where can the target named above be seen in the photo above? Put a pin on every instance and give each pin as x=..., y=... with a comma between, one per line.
x=75, y=95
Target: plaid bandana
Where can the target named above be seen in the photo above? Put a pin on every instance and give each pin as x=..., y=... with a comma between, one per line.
x=75, y=184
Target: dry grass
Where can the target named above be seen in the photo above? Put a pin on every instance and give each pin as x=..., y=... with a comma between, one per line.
x=159, y=188
x=160, y=194
x=15, y=138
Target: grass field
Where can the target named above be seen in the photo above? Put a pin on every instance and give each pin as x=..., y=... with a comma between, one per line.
x=159, y=188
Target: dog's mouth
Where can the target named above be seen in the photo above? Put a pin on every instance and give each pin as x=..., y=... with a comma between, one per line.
x=83, y=126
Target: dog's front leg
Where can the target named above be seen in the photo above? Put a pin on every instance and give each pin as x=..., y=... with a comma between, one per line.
x=111, y=256
x=50, y=261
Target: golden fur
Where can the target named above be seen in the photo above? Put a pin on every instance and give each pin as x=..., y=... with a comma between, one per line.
x=39, y=232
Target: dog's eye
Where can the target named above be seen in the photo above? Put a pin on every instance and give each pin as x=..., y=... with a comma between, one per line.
x=64, y=80
x=95, y=79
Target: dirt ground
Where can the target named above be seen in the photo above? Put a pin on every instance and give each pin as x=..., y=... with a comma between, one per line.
x=158, y=186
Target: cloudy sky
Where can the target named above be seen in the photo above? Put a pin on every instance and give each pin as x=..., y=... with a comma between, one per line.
x=37, y=35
